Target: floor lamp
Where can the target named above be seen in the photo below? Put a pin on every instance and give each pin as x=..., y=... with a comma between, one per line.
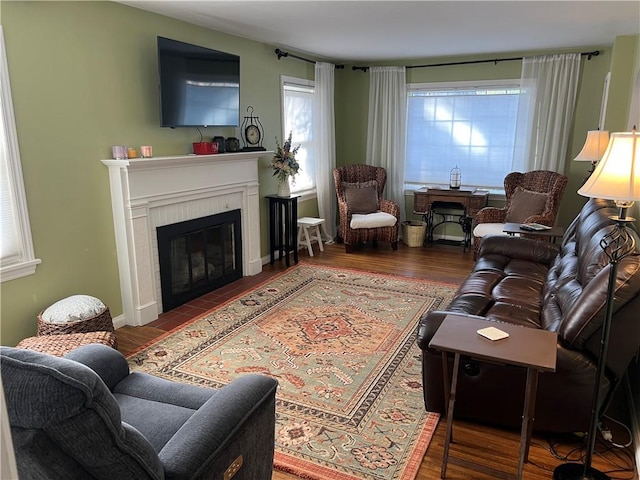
x=593, y=149
x=616, y=177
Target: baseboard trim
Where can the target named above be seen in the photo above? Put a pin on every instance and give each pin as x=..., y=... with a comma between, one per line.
x=634, y=414
x=119, y=321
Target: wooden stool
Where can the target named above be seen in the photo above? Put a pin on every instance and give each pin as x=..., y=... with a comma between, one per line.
x=304, y=224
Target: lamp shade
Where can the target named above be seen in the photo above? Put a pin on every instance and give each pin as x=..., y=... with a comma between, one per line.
x=617, y=175
x=594, y=146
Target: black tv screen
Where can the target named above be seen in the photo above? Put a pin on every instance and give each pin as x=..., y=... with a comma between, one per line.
x=199, y=87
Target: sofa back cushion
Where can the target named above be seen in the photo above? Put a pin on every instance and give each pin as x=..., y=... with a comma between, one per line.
x=66, y=424
x=575, y=294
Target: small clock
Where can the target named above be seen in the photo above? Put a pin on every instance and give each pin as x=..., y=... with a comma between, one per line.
x=253, y=135
x=252, y=132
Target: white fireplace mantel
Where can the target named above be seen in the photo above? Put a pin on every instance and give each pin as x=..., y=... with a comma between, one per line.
x=148, y=193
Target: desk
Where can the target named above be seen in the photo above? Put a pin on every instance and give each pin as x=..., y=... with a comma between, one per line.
x=283, y=216
x=552, y=233
x=426, y=202
x=530, y=348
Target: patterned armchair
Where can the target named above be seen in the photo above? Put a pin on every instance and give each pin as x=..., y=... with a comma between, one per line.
x=364, y=215
x=532, y=197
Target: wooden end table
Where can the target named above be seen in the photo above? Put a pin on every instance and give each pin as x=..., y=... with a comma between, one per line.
x=530, y=348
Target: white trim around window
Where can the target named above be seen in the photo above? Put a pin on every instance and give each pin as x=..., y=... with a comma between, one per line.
x=17, y=257
x=306, y=185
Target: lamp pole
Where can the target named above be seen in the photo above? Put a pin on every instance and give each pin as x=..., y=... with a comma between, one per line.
x=615, y=245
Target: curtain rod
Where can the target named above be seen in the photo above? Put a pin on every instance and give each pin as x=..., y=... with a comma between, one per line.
x=589, y=55
x=281, y=54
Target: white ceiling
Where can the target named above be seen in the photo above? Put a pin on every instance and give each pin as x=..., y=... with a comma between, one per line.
x=361, y=30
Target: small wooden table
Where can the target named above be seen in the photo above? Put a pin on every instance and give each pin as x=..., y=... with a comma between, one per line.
x=515, y=228
x=526, y=347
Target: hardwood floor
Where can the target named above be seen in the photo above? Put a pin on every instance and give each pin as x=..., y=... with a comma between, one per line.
x=488, y=446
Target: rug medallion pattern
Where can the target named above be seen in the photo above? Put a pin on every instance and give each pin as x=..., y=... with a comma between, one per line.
x=342, y=345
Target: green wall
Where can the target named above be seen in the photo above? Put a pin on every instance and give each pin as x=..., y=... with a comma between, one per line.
x=83, y=78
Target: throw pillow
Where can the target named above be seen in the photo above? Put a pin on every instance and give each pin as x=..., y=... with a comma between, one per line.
x=73, y=309
x=525, y=203
x=362, y=198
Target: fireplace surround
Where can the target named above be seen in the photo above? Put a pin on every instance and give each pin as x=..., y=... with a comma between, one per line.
x=148, y=193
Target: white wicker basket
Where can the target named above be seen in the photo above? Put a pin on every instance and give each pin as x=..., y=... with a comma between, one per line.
x=413, y=233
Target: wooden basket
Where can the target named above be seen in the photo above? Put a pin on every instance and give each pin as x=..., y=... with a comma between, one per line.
x=98, y=323
x=413, y=233
x=60, y=345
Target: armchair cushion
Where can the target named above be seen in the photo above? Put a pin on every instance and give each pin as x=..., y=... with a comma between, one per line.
x=486, y=229
x=372, y=220
x=362, y=198
x=524, y=204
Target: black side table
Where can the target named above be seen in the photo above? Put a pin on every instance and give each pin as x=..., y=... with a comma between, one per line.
x=283, y=218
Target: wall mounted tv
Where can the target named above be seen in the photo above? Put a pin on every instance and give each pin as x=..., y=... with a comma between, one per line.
x=199, y=87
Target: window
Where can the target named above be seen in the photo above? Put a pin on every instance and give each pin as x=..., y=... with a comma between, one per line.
x=297, y=116
x=468, y=125
x=16, y=249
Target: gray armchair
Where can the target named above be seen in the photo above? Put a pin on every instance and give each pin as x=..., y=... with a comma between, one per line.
x=87, y=416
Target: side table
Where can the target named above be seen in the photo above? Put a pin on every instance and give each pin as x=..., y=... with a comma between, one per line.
x=530, y=348
x=514, y=228
x=283, y=215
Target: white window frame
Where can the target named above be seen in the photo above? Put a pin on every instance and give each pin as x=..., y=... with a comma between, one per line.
x=24, y=262
x=409, y=185
x=311, y=192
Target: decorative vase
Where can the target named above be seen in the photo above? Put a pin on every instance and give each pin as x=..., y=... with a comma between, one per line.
x=284, y=190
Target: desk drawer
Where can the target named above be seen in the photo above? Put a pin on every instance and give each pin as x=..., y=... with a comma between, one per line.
x=420, y=202
x=477, y=203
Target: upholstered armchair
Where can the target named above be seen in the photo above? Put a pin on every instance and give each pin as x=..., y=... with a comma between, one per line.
x=532, y=197
x=364, y=215
x=86, y=416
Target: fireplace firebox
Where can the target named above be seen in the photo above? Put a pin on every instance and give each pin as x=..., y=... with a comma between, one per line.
x=197, y=256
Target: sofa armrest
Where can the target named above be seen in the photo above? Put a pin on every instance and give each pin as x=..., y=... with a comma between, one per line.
x=238, y=420
x=107, y=362
x=431, y=321
x=427, y=326
x=519, y=247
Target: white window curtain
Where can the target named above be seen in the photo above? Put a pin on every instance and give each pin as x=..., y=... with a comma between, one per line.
x=324, y=133
x=549, y=85
x=386, y=134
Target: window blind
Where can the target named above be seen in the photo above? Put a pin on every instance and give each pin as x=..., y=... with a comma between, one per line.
x=471, y=127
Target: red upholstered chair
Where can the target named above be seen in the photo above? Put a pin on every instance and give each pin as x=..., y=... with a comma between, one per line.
x=364, y=215
x=532, y=197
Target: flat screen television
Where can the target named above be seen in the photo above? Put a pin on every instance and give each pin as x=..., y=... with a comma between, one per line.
x=199, y=87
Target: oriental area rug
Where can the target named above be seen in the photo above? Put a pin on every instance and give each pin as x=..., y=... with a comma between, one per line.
x=342, y=345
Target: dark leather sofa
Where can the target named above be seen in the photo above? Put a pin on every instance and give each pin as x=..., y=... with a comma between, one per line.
x=560, y=288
